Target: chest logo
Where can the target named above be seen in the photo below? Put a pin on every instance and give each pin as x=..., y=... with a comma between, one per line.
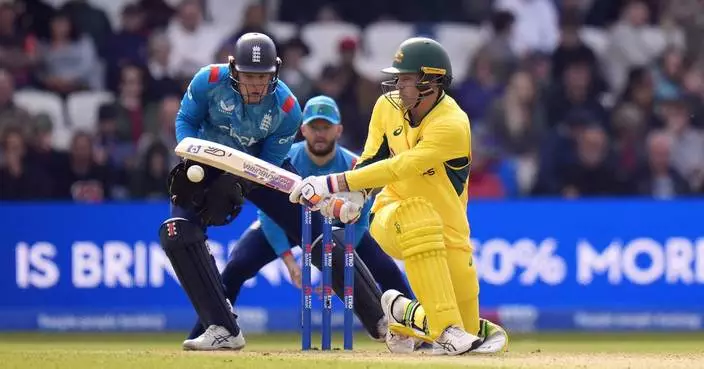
x=225, y=107
x=265, y=123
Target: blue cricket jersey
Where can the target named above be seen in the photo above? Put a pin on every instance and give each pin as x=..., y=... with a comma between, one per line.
x=342, y=161
x=212, y=110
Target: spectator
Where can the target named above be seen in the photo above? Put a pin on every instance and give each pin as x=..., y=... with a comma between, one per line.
x=640, y=91
x=293, y=51
x=34, y=16
x=593, y=174
x=576, y=92
x=163, y=130
x=159, y=14
x=16, y=50
x=83, y=180
x=629, y=44
x=42, y=154
x=571, y=49
x=536, y=25
x=629, y=128
x=517, y=121
x=149, y=181
x=603, y=13
x=129, y=45
x=688, y=14
x=539, y=65
x=668, y=74
x=328, y=13
x=492, y=176
x=558, y=151
x=110, y=148
x=687, y=149
x=193, y=42
x=161, y=68
x=254, y=21
x=693, y=93
x=68, y=61
x=19, y=180
x=10, y=113
x=131, y=121
x=498, y=46
x=342, y=83
x=659, y=179
x=90, y=20
x=476, y=94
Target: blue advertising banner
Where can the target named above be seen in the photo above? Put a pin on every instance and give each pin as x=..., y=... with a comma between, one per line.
x=543, y=264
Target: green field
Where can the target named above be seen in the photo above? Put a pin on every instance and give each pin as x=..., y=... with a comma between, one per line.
x=162, y=351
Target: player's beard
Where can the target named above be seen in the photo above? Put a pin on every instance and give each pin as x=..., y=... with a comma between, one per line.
x=321, y=151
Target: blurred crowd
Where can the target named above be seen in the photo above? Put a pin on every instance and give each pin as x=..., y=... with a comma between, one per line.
x=568, y=98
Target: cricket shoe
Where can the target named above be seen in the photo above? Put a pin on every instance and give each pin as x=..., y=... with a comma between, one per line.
x=215, y=338
x=399, y=339
x=494, y=338
x=455, y=341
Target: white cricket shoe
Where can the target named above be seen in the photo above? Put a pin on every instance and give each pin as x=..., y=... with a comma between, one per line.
x=396, y=342
x=455, y=341
x=215, y=338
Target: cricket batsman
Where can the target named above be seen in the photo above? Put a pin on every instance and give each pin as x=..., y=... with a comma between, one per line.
x=264, y=240
x=419, y=151
x=241, y=104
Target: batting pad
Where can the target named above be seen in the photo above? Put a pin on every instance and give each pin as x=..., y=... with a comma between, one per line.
x=420, y=238
x=184, y=244
x=466, y=285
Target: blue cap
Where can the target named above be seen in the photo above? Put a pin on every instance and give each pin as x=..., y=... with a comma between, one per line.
x=321, y=107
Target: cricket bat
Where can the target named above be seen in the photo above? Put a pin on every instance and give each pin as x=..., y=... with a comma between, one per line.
x=237, y=162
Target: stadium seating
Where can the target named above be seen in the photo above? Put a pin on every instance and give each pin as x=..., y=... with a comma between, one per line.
x=323, y=39
x=381, y=39
x=461, y=41
x=282, y=31
x=82, y=108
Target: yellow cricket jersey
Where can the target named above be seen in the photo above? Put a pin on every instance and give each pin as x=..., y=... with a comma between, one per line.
x=431, y=161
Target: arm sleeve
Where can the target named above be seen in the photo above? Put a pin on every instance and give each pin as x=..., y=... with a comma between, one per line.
x=277, y=145
x=441, y=142
x=274, y=234
x=194, y=106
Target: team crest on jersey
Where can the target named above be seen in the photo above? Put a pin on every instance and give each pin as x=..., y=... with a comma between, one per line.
x=225, y=107
x=256, y=54
x=265, y=123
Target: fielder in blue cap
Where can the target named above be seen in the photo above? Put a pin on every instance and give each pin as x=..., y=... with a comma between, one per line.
x=264, y=241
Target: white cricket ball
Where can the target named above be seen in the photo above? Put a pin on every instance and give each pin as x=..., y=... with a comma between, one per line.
x=195, y=173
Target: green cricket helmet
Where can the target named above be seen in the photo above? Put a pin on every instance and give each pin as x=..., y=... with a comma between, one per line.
x=423, y=56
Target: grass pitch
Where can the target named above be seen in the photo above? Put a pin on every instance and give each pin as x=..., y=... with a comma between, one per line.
x=280, y=351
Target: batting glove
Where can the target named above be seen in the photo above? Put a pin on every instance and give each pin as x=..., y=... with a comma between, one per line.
x=345, y=206
x=312, y=190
